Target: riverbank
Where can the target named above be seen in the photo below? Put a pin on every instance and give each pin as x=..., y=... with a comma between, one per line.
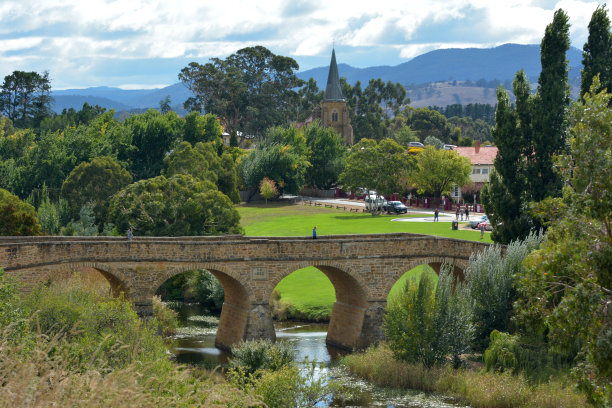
x=475, y=387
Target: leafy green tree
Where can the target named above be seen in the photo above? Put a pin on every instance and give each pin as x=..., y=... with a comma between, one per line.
x=505, y=195
x=6, y=127
x=227, y=179
x=382, y=167
x=267, y=189
x=433, y=141
x=309, y=98
x=71, y=117
x=371, y=108
x=175, y=206
x=85, y=225
x=426, y=122
x=94, y=182
x=328, y=156
x=549, y=120
x=597, y=52
x=250, y=91
x=164, y=105
x=203, y=128
x=437, y=171
x=565, y=289
x=25, y=98
x=153, y=136
x=282, y=157
x=17, y=217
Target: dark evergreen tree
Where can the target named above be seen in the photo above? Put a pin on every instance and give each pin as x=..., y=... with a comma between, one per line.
x=506, y=193
x=551, y=110
x=597, y=52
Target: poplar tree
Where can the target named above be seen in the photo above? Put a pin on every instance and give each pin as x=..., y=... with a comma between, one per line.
x=597, y=52
x=550, y=110
x=507, y=191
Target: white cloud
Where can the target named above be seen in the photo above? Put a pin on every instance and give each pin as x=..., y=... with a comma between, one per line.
x=59, y=32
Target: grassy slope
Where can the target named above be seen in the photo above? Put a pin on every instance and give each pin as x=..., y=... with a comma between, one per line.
x=308, y=289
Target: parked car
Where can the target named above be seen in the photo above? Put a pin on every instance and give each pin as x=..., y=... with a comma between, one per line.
x=416, y=144
x=474, y=223
x=395, y=207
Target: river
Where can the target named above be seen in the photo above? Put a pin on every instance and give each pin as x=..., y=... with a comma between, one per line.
x=195, y=344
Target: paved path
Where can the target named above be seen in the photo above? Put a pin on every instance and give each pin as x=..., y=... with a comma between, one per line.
x=427, y=214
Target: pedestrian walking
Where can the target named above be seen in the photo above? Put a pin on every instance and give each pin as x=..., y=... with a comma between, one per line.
x=467, y=213
x=436, y=215
x=457, y=213
x=314, y=232
x=130, y=234
x=482, y=229
x=462, y=212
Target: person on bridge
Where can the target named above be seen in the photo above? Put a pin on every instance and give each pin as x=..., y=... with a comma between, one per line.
x=130, y=234
x=314, y=232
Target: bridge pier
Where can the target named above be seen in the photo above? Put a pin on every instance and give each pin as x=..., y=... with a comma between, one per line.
x=372, y=329
x=259, y=323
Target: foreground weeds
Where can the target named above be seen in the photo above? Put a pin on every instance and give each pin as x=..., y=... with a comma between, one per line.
x=478, y=389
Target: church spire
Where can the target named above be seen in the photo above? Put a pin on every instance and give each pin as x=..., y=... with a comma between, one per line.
x=333, y=92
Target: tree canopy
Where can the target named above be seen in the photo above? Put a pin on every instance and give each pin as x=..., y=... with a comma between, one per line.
x=328, y=156
x=176, y=206
x=251, y=90
x=18, y=218
x=439, y=170
x=25, y=98
x=597, y=52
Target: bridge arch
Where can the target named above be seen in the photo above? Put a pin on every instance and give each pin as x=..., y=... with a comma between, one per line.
x=348, y=311
x=236, y=303
x=434, y=262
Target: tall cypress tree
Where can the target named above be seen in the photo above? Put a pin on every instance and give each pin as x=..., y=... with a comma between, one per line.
x=597, y=52
x=549, y=123
x=506, y=193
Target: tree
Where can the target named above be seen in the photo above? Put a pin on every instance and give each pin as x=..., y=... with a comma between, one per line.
x=328, y=156
x=309, y=98
x=551, y=106
x=282, y=157
x=433, y=141
x=382, y=167
x=438, y=170
x=95, y=183
x=25, y=98
x=565, y=289
x=371, y=108
x=164, y=105
x=597, y=52
x=203, y=128
x=251, y=90
x=506, y=194
x=177, y=206
x=16, y=217
x=426, y=122
x=153, y=135
x=267, y=189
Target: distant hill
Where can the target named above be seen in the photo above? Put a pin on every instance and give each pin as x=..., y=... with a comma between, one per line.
x=438, y=77
x=455, y=64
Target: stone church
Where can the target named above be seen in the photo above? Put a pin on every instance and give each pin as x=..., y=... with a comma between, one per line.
x=333, y=110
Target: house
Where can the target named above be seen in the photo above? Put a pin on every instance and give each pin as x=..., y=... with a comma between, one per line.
x=482, y=158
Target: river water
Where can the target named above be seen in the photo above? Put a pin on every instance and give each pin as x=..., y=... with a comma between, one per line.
x=195, y=344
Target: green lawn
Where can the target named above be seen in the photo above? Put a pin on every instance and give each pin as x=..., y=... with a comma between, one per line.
x=308, y=290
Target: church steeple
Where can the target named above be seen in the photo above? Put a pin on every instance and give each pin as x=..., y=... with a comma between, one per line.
x=333, y=92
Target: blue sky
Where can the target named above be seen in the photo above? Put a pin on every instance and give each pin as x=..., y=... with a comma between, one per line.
x=145, y=43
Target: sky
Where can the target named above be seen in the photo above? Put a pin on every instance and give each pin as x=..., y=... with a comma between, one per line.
x=134, y=44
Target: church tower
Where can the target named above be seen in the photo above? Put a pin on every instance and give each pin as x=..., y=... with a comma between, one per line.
x=334, y=112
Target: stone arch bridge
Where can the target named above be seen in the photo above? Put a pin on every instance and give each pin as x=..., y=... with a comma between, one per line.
x=362, y=269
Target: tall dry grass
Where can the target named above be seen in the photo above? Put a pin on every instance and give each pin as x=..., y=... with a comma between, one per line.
x=38, y=374
x=476, y=388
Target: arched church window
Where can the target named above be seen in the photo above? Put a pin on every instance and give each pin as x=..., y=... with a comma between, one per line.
x=335, y=116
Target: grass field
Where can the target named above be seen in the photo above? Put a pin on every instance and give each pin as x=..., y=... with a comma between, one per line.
x=308, y=290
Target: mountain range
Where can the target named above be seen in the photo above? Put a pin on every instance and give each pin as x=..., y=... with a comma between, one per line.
x=439, y=77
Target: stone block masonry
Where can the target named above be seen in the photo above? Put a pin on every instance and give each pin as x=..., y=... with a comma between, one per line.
x=362, y=268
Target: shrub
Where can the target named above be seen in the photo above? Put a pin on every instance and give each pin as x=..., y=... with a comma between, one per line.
x=261, y=355
x=491, y=279
x=427, y=324
x=501, y=354
x=167, y=318
x=94, y=324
